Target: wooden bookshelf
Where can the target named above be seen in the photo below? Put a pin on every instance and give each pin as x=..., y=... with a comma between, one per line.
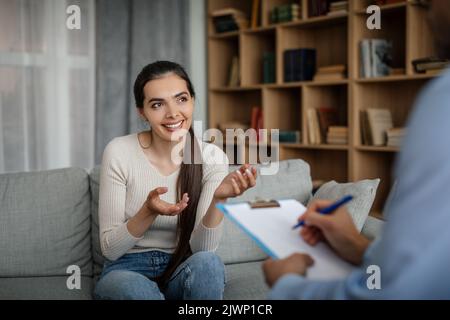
x=336, y=39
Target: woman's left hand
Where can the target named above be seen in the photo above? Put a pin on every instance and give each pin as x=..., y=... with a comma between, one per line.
x=236, y=183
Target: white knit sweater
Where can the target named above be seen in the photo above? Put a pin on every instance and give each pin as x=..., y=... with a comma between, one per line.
x=126, y=179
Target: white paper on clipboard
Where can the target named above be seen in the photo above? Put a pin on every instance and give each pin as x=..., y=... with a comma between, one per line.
x=271, y=229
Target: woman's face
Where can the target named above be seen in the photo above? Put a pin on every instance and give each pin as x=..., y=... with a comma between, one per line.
x=168, y=106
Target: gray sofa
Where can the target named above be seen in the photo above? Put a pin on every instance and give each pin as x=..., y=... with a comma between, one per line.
x=49, y=221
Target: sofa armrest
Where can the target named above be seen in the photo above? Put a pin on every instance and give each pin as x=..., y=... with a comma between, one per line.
x=372, y=228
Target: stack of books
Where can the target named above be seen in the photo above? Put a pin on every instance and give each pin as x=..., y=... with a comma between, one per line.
x=229, y=19
x=289, y=136
x=375, y=58
x=299, y=65
x=395, y=137
x=430, y=65
x=286, y=13
x=337, y=135
x=338, y=8
x=268, y=67
x=328, y=73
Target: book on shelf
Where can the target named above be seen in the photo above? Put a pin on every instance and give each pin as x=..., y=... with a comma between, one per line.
x=317, y=7
x=257, y=123
x=299, y=64
x=234, y=76
x=327, y=117
x=338, y=8
x=385, y=2
x=337, y=135
x=286, y=13
x=330, y=73
x=229, y=19
x=313, y=127
x=375, y=58
x=430, y=65
x=397, y=71
x=268, y=67
x=256, y=13
x=374, y=125
x=223, y=126
x=286, y=136
x=395, y=137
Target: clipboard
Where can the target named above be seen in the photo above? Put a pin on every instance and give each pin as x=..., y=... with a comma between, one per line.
x=269, y=224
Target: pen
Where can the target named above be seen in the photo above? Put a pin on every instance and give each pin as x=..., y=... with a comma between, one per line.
x=328, y=210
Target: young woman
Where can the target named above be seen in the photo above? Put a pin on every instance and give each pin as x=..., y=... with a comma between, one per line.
x=159, y=226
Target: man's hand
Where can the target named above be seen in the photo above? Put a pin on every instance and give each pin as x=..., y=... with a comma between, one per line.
x=295, y=263
x=337, y=229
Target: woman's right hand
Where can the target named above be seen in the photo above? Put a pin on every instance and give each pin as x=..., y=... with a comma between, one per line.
x=156, y=206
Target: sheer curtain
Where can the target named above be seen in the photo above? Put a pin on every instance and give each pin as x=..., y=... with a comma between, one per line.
x=47, y=85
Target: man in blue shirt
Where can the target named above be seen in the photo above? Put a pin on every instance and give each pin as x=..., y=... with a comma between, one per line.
x=413, y=252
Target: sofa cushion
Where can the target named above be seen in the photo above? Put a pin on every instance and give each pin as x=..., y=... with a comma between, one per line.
x=94, y=181
x=292, y=180
x=372, y=228
x=363, y=192
x=245, y=281
x=44, y=288
x=44, y=223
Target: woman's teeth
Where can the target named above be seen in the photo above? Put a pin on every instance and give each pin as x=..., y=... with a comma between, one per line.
x=173, y=126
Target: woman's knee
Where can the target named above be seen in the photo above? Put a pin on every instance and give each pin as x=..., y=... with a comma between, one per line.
x=126, y=285
x=207, y=267
x=205, y=261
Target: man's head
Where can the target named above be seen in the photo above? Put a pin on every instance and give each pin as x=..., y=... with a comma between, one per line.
x=439, y=18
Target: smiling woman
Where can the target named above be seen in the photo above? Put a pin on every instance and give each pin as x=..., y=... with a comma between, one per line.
x=159, y=225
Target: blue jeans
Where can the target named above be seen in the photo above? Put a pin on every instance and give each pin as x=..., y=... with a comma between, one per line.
x=201, y=276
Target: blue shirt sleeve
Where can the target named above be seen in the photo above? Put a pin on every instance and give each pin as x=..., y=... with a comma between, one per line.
x=413, y=251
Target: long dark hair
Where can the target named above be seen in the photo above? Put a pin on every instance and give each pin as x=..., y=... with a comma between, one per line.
x=191, y=171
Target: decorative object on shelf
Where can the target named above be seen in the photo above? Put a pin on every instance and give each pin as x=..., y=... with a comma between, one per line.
x=286, y=13
x=430, y=65
x=299, y=64
x=395, y=137
x=330, y=73
x=229, y=19
x=375, y=58
x=268, y=67
x=338, y=8
x=374, y=125
x=337, y=135
x=234, y=79
x=286, y=136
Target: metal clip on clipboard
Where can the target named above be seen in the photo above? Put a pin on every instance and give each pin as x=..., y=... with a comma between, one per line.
x=262, y=203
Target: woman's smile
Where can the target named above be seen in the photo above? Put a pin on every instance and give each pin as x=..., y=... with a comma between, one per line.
x=173, y=126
